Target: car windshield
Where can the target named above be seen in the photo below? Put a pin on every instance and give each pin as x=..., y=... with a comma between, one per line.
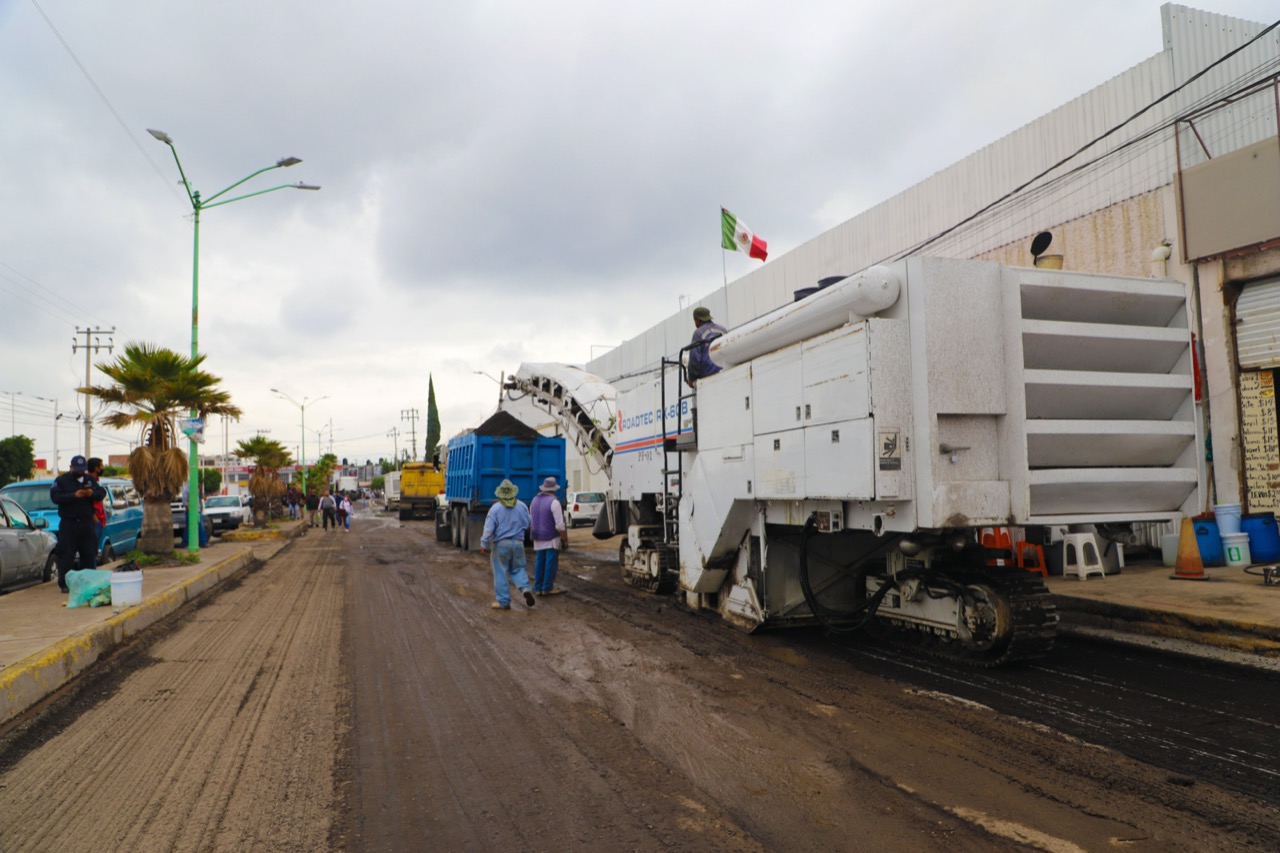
x=31, y=498
x=223, y=501
x=590, y=497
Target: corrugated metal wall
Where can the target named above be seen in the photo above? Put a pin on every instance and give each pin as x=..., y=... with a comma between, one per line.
x=1258, y=325
x=1193, y=39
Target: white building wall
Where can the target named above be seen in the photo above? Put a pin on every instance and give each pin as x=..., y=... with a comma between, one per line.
x=1065, y=201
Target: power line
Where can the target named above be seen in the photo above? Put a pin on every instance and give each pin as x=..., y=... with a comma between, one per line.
x=1112, y=130
x=103, y=97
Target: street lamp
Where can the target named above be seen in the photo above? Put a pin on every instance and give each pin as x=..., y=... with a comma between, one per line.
x=302, y=407
x=198, y=204
x=500, y=382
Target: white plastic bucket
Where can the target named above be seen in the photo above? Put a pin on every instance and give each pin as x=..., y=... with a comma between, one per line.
x=1228, y=516
x=1236, y=548
x=126, y=587
x=1169, y=549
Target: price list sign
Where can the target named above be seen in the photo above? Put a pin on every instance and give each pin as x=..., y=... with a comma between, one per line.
x=1261, y=437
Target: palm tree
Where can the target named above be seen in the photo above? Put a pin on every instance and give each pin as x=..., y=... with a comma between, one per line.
x=265, y=485
x=154, y=387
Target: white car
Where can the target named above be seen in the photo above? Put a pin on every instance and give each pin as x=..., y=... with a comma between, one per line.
x=228, y=512
x=582, y=508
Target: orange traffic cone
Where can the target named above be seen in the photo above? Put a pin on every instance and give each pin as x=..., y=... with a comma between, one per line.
x=1189, y=566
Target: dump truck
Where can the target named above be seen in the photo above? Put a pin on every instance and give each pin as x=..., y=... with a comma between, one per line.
x=501, y=448
x=420, y=484
x=842, y=465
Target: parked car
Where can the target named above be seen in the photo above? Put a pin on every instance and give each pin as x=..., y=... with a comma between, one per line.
x=228, y=512
x=26, y=546
x=582, y=508
x=123, y=506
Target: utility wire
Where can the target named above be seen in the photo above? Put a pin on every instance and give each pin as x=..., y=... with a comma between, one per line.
x=1114, y=129
x=103, y=97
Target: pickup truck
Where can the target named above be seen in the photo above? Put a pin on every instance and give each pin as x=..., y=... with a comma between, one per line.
x=228, y=512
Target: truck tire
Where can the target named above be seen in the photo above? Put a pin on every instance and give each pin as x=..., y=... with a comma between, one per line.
x=406, y=513
x=456, y=529
x=466, y=532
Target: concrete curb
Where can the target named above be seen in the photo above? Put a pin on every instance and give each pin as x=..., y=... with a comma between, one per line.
x=33, y=678
x=1228, y=634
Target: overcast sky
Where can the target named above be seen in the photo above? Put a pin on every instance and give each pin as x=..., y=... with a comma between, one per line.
x=502, y=181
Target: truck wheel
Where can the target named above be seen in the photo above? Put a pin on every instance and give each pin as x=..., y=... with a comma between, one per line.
x=456, y=528
x=466, y=533
x=405, y=513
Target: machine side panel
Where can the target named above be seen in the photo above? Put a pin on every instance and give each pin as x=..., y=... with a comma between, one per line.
x=840, y=460
x=724, y=408
x=777, y=395
x=835, y=375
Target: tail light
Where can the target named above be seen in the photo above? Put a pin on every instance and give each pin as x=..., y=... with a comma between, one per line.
x=575, y=508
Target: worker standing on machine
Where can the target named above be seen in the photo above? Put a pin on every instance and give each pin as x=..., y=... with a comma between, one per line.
x=704, y=332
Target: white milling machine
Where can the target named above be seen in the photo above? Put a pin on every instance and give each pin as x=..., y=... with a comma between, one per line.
x=855, y=442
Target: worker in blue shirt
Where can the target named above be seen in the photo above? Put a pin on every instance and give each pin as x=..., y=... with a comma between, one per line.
x=504, y=529
x=705, y=331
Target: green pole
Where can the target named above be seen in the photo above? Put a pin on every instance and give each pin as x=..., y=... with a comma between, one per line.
x=193, y=475
x=303, y=408
x=193, y=478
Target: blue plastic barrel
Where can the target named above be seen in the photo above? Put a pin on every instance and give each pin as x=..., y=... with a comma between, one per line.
x=1209, y=540
x=1264, y=536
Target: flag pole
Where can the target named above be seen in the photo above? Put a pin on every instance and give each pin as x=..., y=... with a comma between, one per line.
x=724, y=270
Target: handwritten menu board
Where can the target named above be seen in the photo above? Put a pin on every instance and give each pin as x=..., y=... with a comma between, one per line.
x=1261, y=440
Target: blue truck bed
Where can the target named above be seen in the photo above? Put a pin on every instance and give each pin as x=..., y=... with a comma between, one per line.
x=502, y=448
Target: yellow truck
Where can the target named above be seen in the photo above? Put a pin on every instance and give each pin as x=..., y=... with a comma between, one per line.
x=420, y=484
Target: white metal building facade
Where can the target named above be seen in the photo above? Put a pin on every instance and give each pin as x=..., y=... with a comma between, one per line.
x=1100, y=173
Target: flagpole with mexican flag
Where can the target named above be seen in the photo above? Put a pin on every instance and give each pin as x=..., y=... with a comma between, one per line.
x=736, y=236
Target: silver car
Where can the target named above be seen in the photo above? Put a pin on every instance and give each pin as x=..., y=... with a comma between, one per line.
x=582, y=508
x=26, y=547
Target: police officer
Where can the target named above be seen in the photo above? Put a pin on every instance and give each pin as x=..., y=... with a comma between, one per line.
x=75, y=494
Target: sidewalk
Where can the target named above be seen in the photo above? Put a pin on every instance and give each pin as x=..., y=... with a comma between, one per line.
x=43, y=645
x=1231, y=610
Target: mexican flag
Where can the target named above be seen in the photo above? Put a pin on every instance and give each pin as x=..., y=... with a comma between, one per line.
x=734, y=234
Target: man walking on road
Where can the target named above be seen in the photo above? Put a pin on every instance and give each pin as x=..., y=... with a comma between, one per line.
x=328, y=509
x=75, y=494
x=504, y=529
x=547, y=521
x=313, y=506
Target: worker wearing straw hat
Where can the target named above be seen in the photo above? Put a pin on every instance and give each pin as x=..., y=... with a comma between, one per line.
x=504, y=529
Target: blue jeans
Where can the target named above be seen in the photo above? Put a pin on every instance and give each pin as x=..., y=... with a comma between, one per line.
x=544, y=569
x=508, y=563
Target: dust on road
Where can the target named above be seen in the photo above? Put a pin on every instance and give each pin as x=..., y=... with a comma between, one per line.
x=358, y=693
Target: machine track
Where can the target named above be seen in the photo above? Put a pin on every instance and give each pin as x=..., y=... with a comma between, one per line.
x=1033, y=622
x=665, y=583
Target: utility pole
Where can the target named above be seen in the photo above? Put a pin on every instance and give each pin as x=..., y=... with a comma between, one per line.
x=411, y=415
x=394, y=434
x=92, y=343
x=330, y=436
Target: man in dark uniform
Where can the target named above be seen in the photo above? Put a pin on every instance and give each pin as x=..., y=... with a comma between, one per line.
x=704, y=332
x=75, y=494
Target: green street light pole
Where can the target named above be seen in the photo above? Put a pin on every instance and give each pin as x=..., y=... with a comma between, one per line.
x=199, y=204
x=302, y=407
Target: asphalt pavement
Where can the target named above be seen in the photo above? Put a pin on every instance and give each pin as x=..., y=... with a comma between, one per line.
x=44, y=645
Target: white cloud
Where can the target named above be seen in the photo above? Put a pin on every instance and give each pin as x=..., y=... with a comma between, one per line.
x=501, y=181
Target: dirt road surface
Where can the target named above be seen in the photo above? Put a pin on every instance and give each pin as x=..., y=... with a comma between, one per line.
x=358, y=693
